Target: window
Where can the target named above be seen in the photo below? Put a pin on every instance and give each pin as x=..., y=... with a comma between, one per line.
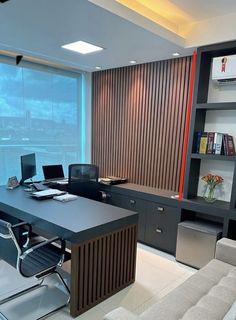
x=39, y=112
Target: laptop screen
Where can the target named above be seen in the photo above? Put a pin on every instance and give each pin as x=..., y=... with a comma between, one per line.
x=53, y=172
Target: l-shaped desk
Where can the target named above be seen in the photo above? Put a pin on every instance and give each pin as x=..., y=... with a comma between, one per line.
x=103, y=241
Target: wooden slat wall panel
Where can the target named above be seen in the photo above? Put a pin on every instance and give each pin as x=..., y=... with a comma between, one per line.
x=138, y=121
x=102, y=266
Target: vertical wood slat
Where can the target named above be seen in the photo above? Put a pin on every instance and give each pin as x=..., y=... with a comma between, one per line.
x=138, y=121
x=101, y=267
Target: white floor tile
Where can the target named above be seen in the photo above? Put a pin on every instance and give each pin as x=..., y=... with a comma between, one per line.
x=92, y=314
x=157, y=274
x=160, y=294
x=129, y=298
x=154, y=279
x=11, y=281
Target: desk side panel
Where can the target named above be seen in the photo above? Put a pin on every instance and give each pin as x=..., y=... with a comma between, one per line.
x=101, y=267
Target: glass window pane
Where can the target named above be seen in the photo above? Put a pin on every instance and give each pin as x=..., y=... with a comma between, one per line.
x=38, y=113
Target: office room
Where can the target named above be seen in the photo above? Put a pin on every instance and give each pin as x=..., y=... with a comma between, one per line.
x=118, y=164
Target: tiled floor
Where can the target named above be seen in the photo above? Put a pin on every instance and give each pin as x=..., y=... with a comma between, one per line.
x=157, y=274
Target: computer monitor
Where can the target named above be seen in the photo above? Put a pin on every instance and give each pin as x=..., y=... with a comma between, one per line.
x=53, y=172
x=28, y=167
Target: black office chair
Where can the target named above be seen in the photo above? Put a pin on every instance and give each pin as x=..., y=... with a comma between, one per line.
x=39, y=260
x=83, y=181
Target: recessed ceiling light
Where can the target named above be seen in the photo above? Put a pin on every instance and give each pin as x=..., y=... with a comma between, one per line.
x=98, y=68
x=133, y=61
x=82, y=47
x=176, y=54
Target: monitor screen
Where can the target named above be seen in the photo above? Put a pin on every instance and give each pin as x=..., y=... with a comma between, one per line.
x=53, y=171
x=28, y=166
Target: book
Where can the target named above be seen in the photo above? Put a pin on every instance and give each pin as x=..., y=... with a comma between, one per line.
x=218, y=140
x=203, y=143
x=196, y=141
x=210, y=142
x=230, y=145
x=225, y=150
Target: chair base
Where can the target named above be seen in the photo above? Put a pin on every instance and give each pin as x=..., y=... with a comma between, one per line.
x=37, y=303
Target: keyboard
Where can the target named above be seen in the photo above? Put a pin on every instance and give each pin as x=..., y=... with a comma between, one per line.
x=39, y=186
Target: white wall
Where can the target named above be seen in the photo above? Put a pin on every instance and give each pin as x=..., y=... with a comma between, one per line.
x=213, y=30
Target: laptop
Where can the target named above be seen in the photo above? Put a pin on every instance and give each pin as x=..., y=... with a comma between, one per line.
x=54, y=173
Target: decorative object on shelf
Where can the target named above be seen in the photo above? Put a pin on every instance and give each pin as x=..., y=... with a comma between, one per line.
x=212, y=181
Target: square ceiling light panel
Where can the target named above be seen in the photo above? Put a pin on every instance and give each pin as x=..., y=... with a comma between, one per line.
x=82, y=47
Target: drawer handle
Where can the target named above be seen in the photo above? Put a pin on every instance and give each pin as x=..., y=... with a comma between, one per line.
x=160, y=209
x=159, y=230
x=105, y=195
x=132, y=202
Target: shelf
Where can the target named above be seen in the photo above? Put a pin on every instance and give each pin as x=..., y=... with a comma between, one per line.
x=217, y=106
x=212, y=157
x=218, y=208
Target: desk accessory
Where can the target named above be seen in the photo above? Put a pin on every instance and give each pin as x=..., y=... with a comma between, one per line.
x=47, y=194
x=66, y=197
x=12, y=183
x=112, y=180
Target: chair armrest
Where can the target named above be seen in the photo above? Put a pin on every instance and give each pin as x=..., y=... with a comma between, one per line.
x=22, y=224
x=44, y=243
x=226, y=251
x=121, y=314
x=26, y=233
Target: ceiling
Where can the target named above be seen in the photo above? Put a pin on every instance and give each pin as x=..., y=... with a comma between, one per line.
x=205, y=9
x=38, y=29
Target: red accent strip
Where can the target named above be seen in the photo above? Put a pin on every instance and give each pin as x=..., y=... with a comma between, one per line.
x=187, y=125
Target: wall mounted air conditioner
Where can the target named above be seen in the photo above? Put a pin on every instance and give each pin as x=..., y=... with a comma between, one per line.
x=224, y=69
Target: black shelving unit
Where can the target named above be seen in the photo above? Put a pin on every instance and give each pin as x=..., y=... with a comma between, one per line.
x=200, y=107
x=213, y=157
x=216, y=106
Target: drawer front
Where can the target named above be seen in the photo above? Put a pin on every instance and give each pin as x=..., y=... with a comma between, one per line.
x=133, y=204
x=161, y=227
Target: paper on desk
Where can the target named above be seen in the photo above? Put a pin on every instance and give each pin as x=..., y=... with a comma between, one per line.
x=66, y=197
x=48, y=192
x=62, y=182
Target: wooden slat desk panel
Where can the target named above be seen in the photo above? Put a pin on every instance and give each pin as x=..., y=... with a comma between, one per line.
x=103, y=241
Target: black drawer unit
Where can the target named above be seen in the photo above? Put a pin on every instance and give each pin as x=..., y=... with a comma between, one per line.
x=159, y=214
x=133, y=204
x=161, y=226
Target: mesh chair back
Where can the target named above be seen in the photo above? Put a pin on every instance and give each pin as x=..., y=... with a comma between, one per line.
x=9, y=248
x=83, y=180
x=83, y=172
x=5, y=229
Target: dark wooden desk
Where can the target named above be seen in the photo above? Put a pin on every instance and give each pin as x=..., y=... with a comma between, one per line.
x=103, y=241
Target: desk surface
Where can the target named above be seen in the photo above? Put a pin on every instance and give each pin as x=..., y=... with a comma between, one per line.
x=73, y=220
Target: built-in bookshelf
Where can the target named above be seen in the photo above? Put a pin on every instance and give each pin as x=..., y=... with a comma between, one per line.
x=213, y=111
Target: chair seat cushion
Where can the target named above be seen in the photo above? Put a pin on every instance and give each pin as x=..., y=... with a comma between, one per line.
x=40, y=260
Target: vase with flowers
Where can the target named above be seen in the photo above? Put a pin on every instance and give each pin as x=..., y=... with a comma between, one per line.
x=212, y=181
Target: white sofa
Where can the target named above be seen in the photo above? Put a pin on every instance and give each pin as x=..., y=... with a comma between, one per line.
x=209, y=294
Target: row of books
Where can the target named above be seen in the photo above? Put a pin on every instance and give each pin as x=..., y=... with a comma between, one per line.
x=213, y=143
